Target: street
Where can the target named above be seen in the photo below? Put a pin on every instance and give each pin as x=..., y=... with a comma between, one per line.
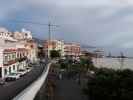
x=11, y=89
x=65, y=89
x=68, y=89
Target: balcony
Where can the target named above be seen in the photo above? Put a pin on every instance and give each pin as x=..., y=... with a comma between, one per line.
x=21, y=59
x=7, y=63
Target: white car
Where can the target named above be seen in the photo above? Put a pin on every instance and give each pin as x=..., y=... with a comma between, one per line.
x=13, y=76
x=91, y=72
x=22, y=72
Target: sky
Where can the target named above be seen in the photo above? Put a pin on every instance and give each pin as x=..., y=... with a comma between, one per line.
x=100, y=23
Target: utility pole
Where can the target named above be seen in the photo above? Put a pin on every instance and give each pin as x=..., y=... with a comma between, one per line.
x=50, y=36
x=49, y=30
x=50, y=26
x=49, y=39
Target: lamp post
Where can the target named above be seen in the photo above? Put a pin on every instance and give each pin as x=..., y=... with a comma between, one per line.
x=50, y=37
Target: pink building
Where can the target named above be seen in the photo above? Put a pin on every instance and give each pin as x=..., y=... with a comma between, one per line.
x=12, y=59
x=72, y=50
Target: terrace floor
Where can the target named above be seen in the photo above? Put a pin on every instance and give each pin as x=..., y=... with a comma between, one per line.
x=68, y=89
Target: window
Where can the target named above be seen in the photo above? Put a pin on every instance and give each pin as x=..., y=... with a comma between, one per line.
x=20, y=55
x=13, y=67
x=23, y=54
x=26, y=34
x=5, y=58
x=13, y=56
x=17, y=55
x=5, y=71
x=10, y=69
x=9, y=57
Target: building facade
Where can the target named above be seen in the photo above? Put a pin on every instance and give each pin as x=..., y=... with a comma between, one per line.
x=8, y=61
x=53, y=45
x=11, y=60
x=16, y=49
x=25, y=38
x=72, y=50
x=32, y=48
x=23, y=35
x=66, y=49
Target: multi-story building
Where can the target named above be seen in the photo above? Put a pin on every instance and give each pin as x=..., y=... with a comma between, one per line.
x=24, y=37
x=11, y=59
x=41, y=53
x=26, y=34
x=66, y=49
x=16, y=49
x=86, y=53
x=8, y=62
x=53, y=45
x=32, y=48
x=22, y=58
x=72, y=50
x=99, y=53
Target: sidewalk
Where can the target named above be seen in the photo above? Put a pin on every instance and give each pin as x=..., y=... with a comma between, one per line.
x=68, y=90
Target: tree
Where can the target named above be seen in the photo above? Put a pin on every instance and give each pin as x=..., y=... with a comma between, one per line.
x=86, y=63
x=55, y=54
x=109, y=84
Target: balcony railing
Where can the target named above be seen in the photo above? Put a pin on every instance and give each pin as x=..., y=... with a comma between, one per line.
x=7, y=63
x=21, y=59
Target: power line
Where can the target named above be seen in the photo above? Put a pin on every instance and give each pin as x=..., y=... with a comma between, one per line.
x=29, y=22
x=50, y=26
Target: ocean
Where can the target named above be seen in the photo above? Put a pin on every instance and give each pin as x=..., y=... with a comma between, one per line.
x=115, y=63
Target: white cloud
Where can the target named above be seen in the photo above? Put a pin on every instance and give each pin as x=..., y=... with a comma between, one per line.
x=7, y=7
x=127, y=45
x=85, y=3
x=97, y=22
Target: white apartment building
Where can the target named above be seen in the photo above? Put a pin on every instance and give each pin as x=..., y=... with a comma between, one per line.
x=14, y=52
x=66, y=49
x=72, y=50
x=12, y=58
x=54, y=45
x=26, y=34
x=5, y=34
x=32, y=48
x=8, y=62
x=24, y=37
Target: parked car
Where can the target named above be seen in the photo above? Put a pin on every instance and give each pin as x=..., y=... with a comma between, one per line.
x=28, y=69
x=12, y=76
x=22, y=72
x=30, y=65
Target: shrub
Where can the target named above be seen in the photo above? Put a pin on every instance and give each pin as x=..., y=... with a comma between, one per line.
x=109, y=84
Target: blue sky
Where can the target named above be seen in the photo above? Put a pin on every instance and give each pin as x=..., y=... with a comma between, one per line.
x=105, y=23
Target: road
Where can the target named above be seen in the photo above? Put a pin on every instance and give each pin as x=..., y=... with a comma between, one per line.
x=68, y=90
x=11, y=89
